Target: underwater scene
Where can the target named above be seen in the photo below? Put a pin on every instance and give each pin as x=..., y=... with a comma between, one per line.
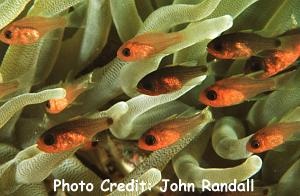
x=149, y=97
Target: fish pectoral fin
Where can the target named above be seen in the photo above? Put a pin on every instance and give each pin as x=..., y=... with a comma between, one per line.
x=258, y=97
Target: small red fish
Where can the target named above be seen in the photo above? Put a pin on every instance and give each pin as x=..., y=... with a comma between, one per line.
x=71, y=134
x=168, y=79
x=55, y=106
x=146, y=45
x=272, y=136
x=29, y=30
x=168, y=132
x=240, y=45
x=237, y=89
x=273, y=62
x=8, y=88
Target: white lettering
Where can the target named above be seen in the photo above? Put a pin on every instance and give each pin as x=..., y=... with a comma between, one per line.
x=56, y=184
x=205, y=185
x=165, y=187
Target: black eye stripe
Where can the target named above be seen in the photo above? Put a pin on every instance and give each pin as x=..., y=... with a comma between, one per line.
x=211, y=95
x=150, y=140
x=8, y=34
x=49, y=139
x=126, y=52
x=48, y=105
x=255, y=144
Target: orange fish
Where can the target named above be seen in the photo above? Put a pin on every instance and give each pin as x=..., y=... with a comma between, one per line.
x=8, y=88
x=272, y=136
x=55, y=106
x=240, y=45
x=273, y=62
x=29, y=30
x=146, y=45
x=168, y=79
x=168, y=132
x=71, y=134
x=237, y=89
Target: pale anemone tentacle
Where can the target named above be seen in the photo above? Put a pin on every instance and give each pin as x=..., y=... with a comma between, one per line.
x=121, y=9
x=33, y=166
x=209, y=29
x=289, y=181
x=187, y=168
x=167, y=17
x=228, y=139
x=285, y=100
x=31, y=189
x=140, y=105
x=151, y=177
x=96, y=31
x=15, y=104
x=72, y=170
x=10, y=9
x=53, y=7
x=7, y=152
x=29, y=166
x=160, y=158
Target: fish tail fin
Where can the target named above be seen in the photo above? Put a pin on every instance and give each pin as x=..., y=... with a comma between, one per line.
x=162, y=41
x=77, y=88
x=202, y=116
x=268, y=43
x=8, y=88
x=189, y=73
x=283, y=79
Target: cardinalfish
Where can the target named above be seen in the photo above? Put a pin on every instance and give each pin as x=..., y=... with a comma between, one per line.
x=272, y=136
x=234, y=90
x=146, y=45
x=240, y=45
x=168, y=79
x=273, y=62
x=8, y=88
x=29, y=30
x=72, y=134
x=168, y=132
x=55, y=106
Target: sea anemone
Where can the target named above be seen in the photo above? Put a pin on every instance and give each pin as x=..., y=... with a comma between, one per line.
x=85, y=52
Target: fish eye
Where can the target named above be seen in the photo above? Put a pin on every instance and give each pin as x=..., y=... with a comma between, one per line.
x=218, y=46
x=8, y=34
x=48, y=105
x=255, y=144
x=147, y=85
x=49, y=139
x=255, y=64
x=150, y=140
x=126, y=52
x=211, y=95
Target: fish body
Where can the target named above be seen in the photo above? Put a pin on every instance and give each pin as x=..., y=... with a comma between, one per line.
x=55, y=106
x=234, y=90
x=272, y=136
x=168, y=79
x=168, y=132
x=71, y=134
x=29, y=30
x=273, y=62
x=240, y=45
x=146, y=45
